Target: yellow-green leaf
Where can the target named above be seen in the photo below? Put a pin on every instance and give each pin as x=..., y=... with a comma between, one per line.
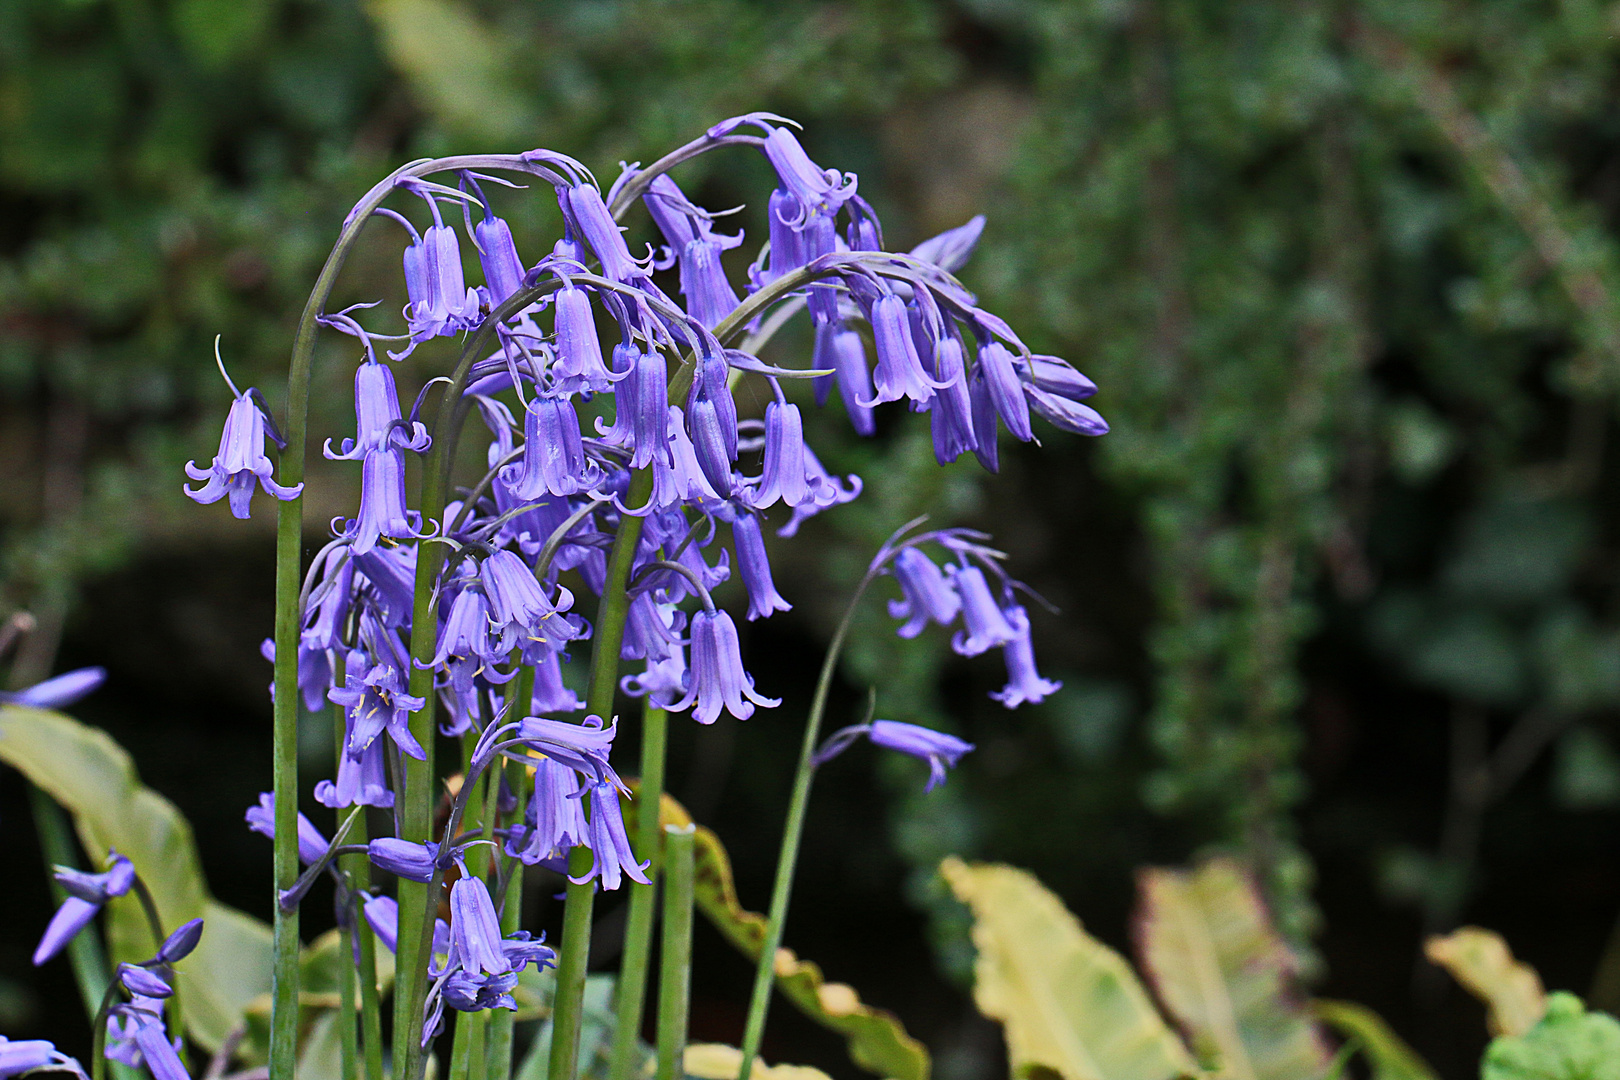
x=1391, y=1058
x=1483, y=963
x=717, y=1061
x=876, y=1039
x=1206, y=944
x=1070, y=1004
x=83, y=769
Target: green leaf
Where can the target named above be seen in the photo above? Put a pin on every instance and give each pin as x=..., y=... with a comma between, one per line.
x=877, y=1040
x=717, y=1061
x=1206, y=943
x=1391, y=1058
x=1482, y=962
x=93, y=778
x=1568, y=1043
x=1071, y=1005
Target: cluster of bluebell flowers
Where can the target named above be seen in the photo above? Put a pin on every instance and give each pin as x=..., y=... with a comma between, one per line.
x=663, y=442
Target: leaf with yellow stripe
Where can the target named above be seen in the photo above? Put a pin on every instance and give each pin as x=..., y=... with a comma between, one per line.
x=1207, y=946
x=1071, y=1006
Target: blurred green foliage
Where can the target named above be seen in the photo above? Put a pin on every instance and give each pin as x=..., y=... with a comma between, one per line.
x=1345, y=272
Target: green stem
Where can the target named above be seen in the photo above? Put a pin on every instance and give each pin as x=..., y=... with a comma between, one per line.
x=98, y=1034
x=792, y=833
x=675, y=970
x=631, y=993
x=574, y=954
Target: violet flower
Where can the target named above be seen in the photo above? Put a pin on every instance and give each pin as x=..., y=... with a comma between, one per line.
x=241, y=464
x=262, y=820
x=382, y=510
x=57, y=692
x=986, y=625
x=1024, y=683
x=755, y=567
x=927, y=595
x=718, y=680
x=403, y=858
x=87, y=894
x=610, y=847
x=935, y=747
x=19, y=1056
x=377, y=420
x=554, y=819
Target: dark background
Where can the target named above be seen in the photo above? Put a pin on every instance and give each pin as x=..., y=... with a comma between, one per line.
x=1345, y=273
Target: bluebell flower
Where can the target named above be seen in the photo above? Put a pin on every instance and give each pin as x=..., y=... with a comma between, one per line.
x=382, y=510
x=19, y=1056
x=551, y=694
x=718, y=680
x=553, y=456
x=610, y=847
x=440, y=302
x=1054, y=375
x=498, y=258
x=403, y=858
x=782, y=476
x=519, y=611
x=466, y=645
x=361, y=781
x=754, y=565
x=377, y=419
x=696, y=247
x=554, y=820
x=179, y=944
x=951, y=418
x=241, y=465
x=466, y=991
x=523, y=949
x=137, y=1035
x=814, y=189
x=900, y=372
x=589, y=216
x=262, y=820
x=475, y=929
x=58, y=692
x=584, y=747
x=375, y=699
x=986, y=625
x=663, y=681
x=143, y=981
x=1005, y=390
x=926, y=594
x=578, y=366
x=1064, y=413
x=87, y=894
x=935, y=747
x=1024, y=683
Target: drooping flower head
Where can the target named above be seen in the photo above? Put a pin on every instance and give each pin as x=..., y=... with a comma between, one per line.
x=241, y=467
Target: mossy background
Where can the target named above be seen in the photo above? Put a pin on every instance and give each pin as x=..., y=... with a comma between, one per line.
x=1338, y=593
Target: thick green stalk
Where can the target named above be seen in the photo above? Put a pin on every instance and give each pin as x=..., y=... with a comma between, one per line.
x=792, y=833
x=631, y=992
x=675, y=969
x=574, y=954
